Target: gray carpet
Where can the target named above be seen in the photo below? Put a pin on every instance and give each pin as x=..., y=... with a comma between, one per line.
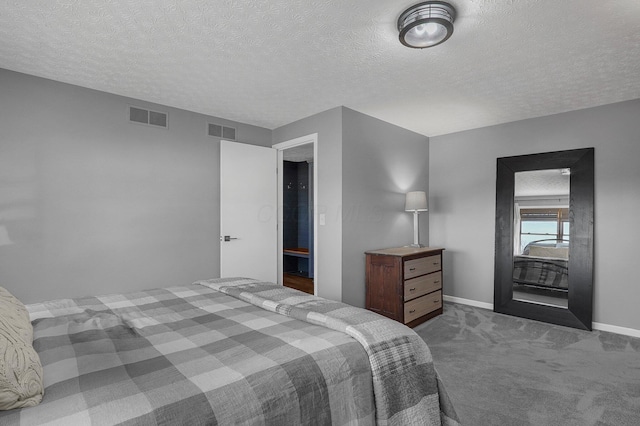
x=504, y=370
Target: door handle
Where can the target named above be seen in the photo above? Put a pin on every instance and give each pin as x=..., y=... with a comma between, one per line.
x=227, y=238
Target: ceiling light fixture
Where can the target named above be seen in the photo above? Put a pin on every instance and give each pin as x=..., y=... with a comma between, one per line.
x=426, y=24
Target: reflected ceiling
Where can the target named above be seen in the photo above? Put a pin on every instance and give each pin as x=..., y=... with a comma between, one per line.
x=541, y=183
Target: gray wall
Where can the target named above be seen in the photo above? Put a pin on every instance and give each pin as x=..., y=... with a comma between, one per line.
x=365, y=166
x=93, y=204
x=380, y=164
x=328, y=126
x=462, y=200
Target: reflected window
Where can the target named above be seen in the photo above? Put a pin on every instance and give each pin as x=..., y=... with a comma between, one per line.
x=543, y=224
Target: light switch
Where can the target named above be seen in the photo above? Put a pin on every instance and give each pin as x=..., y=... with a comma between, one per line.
x=322, y=218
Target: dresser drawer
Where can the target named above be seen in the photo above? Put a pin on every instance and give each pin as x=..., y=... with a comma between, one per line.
x=422, y=285
x=421, y=306
x=424, y=265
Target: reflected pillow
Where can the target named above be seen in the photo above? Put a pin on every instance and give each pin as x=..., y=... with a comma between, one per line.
x=21, y=382
x=556, y=252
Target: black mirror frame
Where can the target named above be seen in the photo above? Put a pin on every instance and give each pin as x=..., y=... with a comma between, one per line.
x=580, y=304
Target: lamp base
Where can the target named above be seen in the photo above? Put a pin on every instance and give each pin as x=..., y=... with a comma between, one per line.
x=416, y=232
x=416, y=245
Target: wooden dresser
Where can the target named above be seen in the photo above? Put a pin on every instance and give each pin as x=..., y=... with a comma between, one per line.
x=405, y=283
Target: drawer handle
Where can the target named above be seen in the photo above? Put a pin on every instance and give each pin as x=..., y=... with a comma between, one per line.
x=435, y=302
x=412, y=269
x=435, y=263
x=412, y=289
x=436, y=281
x=412, y=311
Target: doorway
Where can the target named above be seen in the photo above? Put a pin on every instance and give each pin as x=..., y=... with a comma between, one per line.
x=297, y=195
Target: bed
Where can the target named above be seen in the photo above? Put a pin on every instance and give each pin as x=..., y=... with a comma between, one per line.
x=228, y=351
x=543, y=264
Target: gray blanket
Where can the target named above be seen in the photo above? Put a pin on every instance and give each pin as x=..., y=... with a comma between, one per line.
x=406, y=386
x=206, y=354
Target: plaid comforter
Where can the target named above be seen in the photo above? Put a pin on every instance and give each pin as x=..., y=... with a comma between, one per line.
x=407, y=388
x=206, y=354
x=541, y=271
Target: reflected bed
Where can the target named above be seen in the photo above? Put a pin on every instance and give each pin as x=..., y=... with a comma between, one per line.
x=543, y=264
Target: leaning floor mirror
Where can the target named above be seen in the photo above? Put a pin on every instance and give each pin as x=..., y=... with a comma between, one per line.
x=544, y=237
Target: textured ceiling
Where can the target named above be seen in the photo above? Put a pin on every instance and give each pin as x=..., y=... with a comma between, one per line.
x=269, y=63
x=539, y=183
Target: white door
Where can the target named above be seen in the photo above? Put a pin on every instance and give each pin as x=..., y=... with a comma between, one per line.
x=248, y=211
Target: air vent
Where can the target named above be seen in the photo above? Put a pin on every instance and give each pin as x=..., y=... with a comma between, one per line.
x=215, y=130
x=228, y=133
x=224, y=132
x=157, y=119
x=151, y=118
x=139, y=115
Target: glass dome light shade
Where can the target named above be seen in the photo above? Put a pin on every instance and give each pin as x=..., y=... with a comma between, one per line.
x=426, y=24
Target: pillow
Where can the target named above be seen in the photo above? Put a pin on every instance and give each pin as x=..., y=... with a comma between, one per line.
x=21, y=383
x=557, y=252
x=15, y=312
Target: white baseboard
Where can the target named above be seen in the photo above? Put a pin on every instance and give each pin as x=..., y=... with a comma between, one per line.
x=616, y=329
x=469, y=302
x=596, y=325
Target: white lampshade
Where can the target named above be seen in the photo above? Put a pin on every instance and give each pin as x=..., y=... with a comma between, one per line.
x=416, y=201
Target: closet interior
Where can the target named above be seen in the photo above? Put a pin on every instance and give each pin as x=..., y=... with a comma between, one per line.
x=297, y=230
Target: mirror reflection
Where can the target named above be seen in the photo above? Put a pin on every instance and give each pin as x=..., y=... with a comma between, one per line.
x=541, y=237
